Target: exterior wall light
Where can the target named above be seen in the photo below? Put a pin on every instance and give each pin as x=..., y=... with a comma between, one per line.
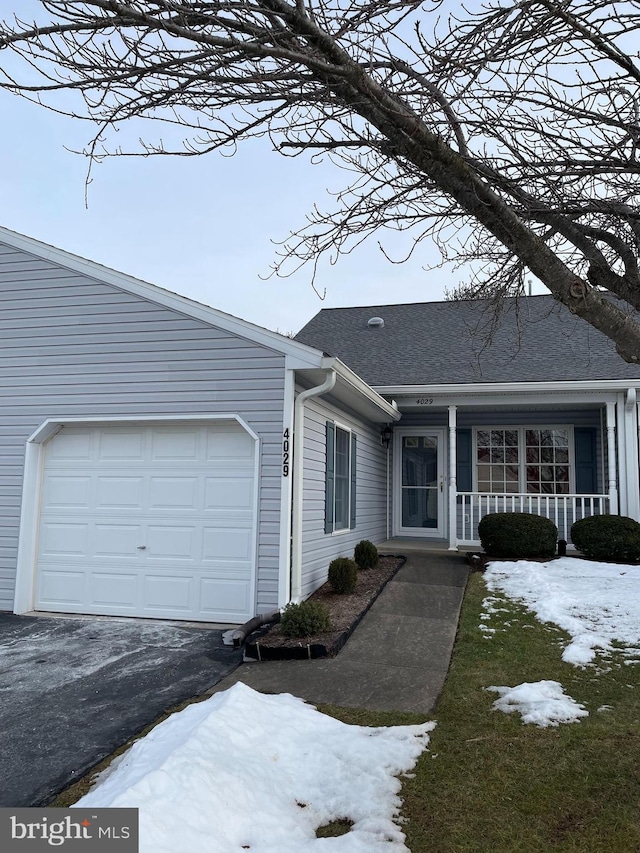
x=385, y=435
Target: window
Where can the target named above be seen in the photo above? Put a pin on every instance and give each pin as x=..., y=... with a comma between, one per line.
x=533, y=460
x=340, y=492
x=342, y=474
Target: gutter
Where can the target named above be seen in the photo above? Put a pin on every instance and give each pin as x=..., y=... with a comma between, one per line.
x=564, y=385
x=298, y=479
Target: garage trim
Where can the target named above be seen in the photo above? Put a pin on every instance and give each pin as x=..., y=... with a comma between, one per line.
x=25, y=590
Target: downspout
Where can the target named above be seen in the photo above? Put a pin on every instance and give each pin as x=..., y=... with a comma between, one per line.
x=298, y=480
x=388, y=512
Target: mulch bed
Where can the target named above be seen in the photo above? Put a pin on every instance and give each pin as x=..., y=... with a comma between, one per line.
x=345, y=612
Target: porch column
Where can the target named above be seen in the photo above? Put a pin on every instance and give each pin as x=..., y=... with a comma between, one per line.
x=453, y=489
x=611, y=458
x=631, y=437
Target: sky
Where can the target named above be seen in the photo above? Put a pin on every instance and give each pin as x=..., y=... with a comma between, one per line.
x=201, y=226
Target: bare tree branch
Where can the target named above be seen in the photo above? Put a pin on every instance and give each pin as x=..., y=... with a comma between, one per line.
x=508, y=135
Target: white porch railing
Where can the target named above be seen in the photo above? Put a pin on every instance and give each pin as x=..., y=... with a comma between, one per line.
x=563, y=510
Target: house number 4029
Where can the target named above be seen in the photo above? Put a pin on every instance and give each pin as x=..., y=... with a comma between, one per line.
x=285, y=453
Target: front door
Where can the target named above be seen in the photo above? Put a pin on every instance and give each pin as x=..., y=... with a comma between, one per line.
x=419, y=483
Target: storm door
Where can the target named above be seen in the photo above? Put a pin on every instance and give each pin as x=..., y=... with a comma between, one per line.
x=420, y=484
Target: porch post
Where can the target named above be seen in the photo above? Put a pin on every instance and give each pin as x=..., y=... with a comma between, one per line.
x=611, y=458
x=631, y=437
x=453, y=489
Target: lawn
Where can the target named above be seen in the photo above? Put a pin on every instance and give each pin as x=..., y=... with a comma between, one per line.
x=487, y=782
x=490, y=783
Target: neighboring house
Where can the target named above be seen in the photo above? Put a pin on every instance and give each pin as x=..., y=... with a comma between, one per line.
x=163, y=459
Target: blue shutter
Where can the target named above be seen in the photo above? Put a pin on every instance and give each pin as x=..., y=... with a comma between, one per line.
x=352, y=506
x=464, y=460
x=329, y=477
x=585, y=453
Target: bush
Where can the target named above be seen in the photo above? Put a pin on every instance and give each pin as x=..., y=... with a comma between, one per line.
x=366, y=555
x=343, y=574
x=607, y=537
x=305, y=619
x=517, y=534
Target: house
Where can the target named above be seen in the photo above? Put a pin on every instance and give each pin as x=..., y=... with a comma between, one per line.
x=164, y=459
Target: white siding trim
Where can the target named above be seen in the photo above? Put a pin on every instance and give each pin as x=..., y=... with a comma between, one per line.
x=24, y=595
x=286, y=496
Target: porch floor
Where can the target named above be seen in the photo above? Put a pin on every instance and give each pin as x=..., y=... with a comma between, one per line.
x=433, y=546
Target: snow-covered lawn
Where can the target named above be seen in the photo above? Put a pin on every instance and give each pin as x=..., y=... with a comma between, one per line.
x=598, y=604
x=245, y=770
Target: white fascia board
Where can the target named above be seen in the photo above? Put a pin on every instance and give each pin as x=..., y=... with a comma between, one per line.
x=161, y=296
x=361, y=388
x=481, y=388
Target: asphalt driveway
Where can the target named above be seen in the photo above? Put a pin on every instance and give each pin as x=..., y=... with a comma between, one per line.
x=74, y=689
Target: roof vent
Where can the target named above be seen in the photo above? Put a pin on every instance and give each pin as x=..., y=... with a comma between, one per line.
x=376, y=323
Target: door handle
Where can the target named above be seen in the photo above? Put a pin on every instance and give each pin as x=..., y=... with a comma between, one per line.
x=141, y=548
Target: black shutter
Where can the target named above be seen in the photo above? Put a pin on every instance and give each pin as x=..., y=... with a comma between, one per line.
x=585, y=452
x=464, y=461
x=329, y=475
x=353, y=460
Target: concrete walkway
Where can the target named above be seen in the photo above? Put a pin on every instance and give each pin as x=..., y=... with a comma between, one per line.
x=397, y=658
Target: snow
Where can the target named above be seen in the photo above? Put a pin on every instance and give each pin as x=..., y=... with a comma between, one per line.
x=598, y=604
x=543, y=703
x=243, y=769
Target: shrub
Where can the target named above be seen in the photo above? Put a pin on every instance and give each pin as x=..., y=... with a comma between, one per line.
x=366, y=555
x=343, y=574
x=607, y=537
x=517, y=534
x=304, y=619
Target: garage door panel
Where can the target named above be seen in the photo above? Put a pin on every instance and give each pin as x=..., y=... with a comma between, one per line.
x=174, y=445
x=224, y=596
x=237, y=445
x=115, y=589
x=166, y=543
x=221, y=543
x=169, y=593
x=149, y=521
x=65, y=491
x=177, y=493
x=62, y=587
x=67, y=445
x=125, y=445
x=64, y=540
x=117, y=540
x=228, y=493
x=119, y=492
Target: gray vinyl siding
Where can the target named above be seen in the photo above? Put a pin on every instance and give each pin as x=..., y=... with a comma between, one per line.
x=318, y=547
x=71, y=346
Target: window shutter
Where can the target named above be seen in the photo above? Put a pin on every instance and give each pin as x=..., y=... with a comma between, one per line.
x=585, y=451
x=352, y=506
x=464, y=461
x=329, y=477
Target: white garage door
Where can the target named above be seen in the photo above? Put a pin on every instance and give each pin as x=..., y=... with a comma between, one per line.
x=153, y=521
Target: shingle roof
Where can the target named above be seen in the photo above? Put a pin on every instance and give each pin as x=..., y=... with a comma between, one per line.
x=447, y=342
